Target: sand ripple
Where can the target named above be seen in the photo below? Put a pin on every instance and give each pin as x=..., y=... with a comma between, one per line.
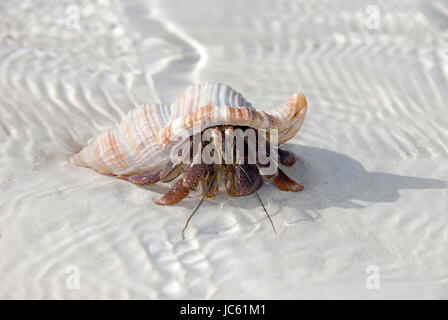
x=372, y=153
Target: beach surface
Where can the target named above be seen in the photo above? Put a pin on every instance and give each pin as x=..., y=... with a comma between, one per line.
x=371, y=222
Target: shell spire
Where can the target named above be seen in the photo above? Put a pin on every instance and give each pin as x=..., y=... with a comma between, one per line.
x=143, y=140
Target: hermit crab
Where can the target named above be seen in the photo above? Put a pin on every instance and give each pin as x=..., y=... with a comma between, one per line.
x=197, y=137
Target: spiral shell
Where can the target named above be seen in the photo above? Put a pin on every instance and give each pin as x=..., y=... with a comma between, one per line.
x=143, y=140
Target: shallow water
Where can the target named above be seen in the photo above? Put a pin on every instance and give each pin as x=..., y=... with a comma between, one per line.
x=373, y=153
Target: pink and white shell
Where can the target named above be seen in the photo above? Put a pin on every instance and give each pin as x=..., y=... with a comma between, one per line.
x=143, y=140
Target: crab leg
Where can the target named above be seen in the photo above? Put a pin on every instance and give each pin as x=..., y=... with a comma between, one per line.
x=176, y=193
x=285, y=183
x=152, y=177
x=181, y=189
x=287, y=158
x=242, y=180
x=210, y=181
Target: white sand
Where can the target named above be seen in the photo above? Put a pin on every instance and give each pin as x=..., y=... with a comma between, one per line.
x=373, y=153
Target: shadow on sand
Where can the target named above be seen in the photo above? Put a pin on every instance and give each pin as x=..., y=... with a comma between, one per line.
x=330, y=180
x=334, y=180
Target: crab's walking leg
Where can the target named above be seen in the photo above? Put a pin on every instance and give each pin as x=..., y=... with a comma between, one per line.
x=181, y=189
x=143, y=179
x=176, y=193
x=287, y=158
x=152, y=177
x=210, y=181
x=285, y=183
x=242, y=180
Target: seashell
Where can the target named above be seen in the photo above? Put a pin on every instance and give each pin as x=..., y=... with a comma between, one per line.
x=143, y=140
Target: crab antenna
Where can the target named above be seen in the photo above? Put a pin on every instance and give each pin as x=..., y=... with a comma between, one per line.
x=256, y=193
x=191, y=216
x=197, y=206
